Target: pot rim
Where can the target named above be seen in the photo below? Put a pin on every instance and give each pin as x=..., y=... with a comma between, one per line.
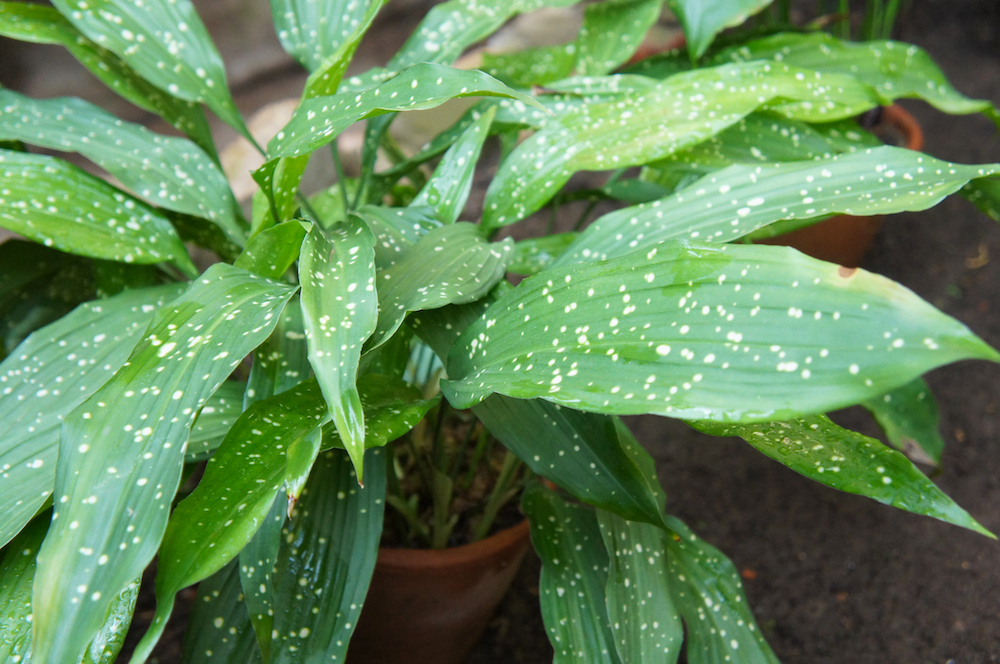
x=508, y=539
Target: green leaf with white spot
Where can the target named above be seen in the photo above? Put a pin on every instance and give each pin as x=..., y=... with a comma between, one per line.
x=985, y=195
x=272, y=251
x=574, y=573
x=656, y=120
x=453, y=264
x=703, y=19
x=164, y=42
x=212, y=525
x=340, y=311
x=396, y=230
x=313, y=30
x=531, y=66
x=728, y=204
x=894, y=69
x=214, y=421
x=909, y=417
x=643, y=618
x=533, y=255
x=612, y=32
x=256, y=568
x=219, y=630
x=354, y=19
x=121, y=451
x=448, y=188
x=719, y=332
x=850, y=462
x=706, y=587
x=44, y=25
x=318, y=597
x=320, y=120
x=279, y=182
x=50, y=374
x=166, y=171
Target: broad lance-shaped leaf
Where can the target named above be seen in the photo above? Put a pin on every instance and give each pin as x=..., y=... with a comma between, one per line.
x=703, y=19
x=209, y=528
x=327, y=74
x=909, y=417
x=985, y=195
x=848, y=461
x=448, y=188
x=59, y=205
x=719, y=332
x=166, y=171
x=165, y=42
x=122, y=450
x=46, y=377
x=44, y=25
x=219, y=630
x=453, y=264
x=214, y=421
x=656, y=120
x=320, y=120
x=318, y=597
x=340, y=310
x=313, y=30
x=574, y=573
x=278, y=180
x=707, y=590
x=644, y=620
x=272, y=251
x=737, y=200
x=17, y=572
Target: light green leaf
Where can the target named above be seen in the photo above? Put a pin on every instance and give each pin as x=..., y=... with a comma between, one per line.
x=219, y=630
x=44, y=25
x=703, y=19
x=909, y=417
x=48, y=376
x=531, y=66
x=313, y=30
x=706, y=587
x=59, y=205
x=655, y=121
x=720, y=332
x=272, y=251
x=166, y=171
x=737, y=200
x=214, y=421
x=453, y=264
x=894, y=69
x=646, y=624
x=848, y=461
x=533, y=255
x=320, y=120
x=354, y=19
x=574, y=573
x=612, y=32
x=122, y=450
x=448, y=188
x=318, y=597
x=396, y=230
x=164, y=42
x=340, y=310
x=279, y=182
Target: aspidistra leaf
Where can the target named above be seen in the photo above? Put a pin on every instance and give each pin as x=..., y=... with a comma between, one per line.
x=354, y=20
x=47, y=376
x=612, y=32
x=703, y=19
x=909, y=417
x=219, y=629
x=313, y=30
x=720, y=332
x=272, y=251
x=214, y=421
x=121, y=451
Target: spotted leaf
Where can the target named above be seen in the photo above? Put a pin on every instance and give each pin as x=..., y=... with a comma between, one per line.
x=707, y=590
x=909, y=417
x=320, y=120
x=742, y=198
x=214, y=421
x=318, y=597
x=313, y=30
x=720, y=332
x=44, y=25
x=396, y=230
x=354, y=20
x=209, y=528
x=655, y=121
x=453, y=264
x=121, y=451
x=533, y=255
x=272, y=251
x=985, y=195
x=574, y=573
x=57, y=204
x=165, y=43
x=340, y=310
x=703, y=19
x=256, y=569
x=46, y=377
x=219, y=630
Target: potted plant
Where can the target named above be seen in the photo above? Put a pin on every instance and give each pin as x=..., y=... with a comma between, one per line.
x=368, y=306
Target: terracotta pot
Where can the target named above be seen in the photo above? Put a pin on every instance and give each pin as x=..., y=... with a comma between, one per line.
x=426, y=606
x=844, y=239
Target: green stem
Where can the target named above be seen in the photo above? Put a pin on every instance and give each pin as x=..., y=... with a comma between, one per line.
x=341, y=178
x=404, y=508
x=499, y=497
x=481, y=444
x=844, y=25
x=304, y=202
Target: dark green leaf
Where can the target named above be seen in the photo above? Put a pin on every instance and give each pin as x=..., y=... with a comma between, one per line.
x=703, y=19
x=279, y=182
x=272, y=251
x=122, y=450
x=848, y=461
x=219, y=630
x=612, y=32
x=533, y=255
x=256, y=563
x=985, y=195
x=909, y=417
x=721, y=332
x=59, y=205
x=214, y=421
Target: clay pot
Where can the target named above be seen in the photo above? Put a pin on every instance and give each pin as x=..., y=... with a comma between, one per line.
x=844, y=239
x=431, y=606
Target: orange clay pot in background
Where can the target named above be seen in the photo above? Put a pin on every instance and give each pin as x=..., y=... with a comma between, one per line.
x=431, y=606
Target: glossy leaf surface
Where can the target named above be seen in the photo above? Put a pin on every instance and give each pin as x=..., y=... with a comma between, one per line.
x=909, y=417
x=848, y=461
x=719, y=332
x=121, y=451
x=46, y=377
x=340, y=310
x=612, y=32
x=355, y=19
x=313, y=30
x=219, y=629
x=703, y=19
x=214, y=421
x=272, y=251
x=59, y=205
